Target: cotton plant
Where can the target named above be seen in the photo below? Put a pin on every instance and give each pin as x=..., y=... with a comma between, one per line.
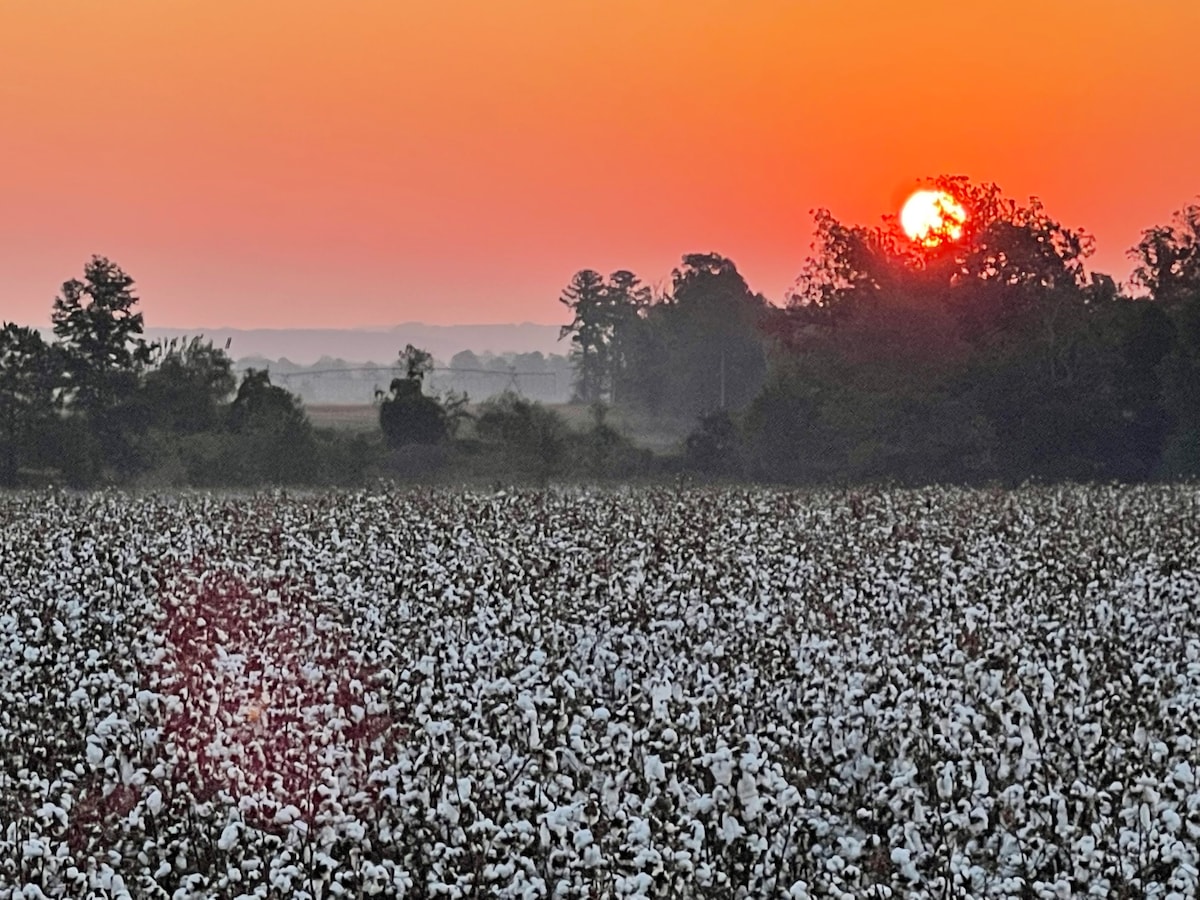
x=646, y=693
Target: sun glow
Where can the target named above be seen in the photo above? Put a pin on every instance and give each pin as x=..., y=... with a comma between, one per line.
x=931, y=217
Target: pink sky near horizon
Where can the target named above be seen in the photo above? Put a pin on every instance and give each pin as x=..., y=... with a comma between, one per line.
x=311, y=164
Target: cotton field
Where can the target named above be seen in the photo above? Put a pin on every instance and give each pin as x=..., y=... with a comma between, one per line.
x=652, y=693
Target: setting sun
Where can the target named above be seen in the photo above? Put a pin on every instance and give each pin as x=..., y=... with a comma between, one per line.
x=931, y=217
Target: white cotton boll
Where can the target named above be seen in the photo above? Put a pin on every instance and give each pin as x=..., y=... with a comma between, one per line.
x=499, y=871
x=902, y=860
x=659, y=695
x=1172, y=821
x=1061, y=817
x=747, y=794
x=638, y=832
x=722, y=769
x=583, y=838
x=1048, y=686
x=731, y=828
x=49, y=812
x=95, y=753
x=799, y=891
x=448, y=812
x=653, y=769
x=945, y=781
x=849, y=847
x=1086, y=848
x=863, y=766
x=610, y=795
x=837, y=746
x=287, y=815
x=229, y=837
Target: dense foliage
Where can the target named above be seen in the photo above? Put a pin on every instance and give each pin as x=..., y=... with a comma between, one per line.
x=101, y=405
x=728, y=694
x=996, y=356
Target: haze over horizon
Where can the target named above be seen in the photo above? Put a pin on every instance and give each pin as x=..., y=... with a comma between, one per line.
x=299, y=165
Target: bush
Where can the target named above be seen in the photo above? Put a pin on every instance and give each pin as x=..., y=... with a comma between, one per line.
x=714, y=447
x=407, y=416
x=530, y=437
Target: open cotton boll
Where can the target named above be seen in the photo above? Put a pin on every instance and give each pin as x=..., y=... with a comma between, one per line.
x=228, y=838
x=653, y=768
x=902, y=860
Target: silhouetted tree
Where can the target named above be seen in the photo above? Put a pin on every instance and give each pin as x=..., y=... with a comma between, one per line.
x=628, y=300
x=31, y=373
x=261, y=404
x=1002, y=332
x=1168, y=258
x=100, y=335
x=406, y=414
x=276, y=443
x=417, y=362
x=700, y=348
x=1180, y=372
x=188, y=385
x=590, y=331
x=1168, y=269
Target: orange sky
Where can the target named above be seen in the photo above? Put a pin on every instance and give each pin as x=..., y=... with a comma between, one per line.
x=365, y=162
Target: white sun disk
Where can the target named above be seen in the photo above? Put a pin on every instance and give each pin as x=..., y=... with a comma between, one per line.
x=932, y=216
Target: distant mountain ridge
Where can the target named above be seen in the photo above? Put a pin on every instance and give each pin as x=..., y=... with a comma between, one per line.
x=382, y=345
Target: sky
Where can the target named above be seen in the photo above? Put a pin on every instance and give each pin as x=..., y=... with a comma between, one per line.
x=368, y=162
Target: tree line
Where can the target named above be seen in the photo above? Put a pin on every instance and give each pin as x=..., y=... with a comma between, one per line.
x=993, y=357
x=996, y=356
x=100, y=404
